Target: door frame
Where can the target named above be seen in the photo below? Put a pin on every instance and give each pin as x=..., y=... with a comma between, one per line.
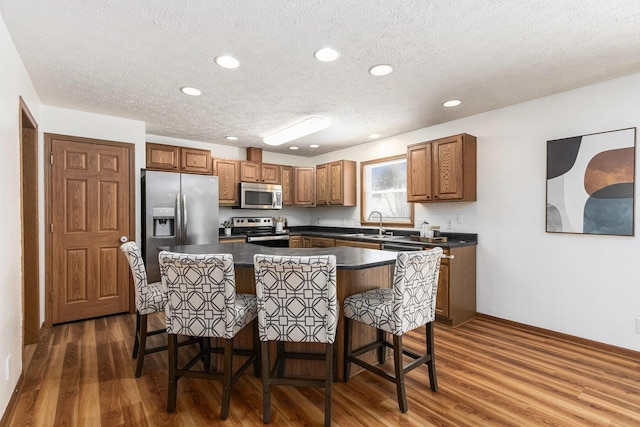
x=29, y=221
x=48, y=205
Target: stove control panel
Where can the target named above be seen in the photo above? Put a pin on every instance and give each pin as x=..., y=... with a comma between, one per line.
x=252, y=221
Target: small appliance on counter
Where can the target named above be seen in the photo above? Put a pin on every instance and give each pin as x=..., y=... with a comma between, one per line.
x=260, y=231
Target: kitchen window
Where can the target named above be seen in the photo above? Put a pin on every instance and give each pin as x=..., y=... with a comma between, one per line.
x=383, y=188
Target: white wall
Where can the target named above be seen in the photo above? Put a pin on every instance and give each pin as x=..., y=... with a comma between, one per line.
x=14, y=82
x=583, y=285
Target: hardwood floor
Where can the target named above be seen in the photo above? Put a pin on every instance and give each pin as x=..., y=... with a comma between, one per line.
x=489, y=374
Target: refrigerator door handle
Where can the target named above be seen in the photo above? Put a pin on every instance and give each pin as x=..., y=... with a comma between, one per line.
x=178, y=221
x=184, y=221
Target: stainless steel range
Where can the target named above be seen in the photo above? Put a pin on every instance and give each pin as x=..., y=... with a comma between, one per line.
x=260, y=231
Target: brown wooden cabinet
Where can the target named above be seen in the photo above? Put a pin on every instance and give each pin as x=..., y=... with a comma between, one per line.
x=304, y=193
x=456, y=298
x=353, y=243
x=259, y=172
x=287, y=182
x=442, y=170
x=336, y=183
x=322, y=242
x=228, y=173
x=295, y=241
x=306, y=242
x=178, y=159
x=234, y=240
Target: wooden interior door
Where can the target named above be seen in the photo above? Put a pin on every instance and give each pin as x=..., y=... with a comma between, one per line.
x=90, y=211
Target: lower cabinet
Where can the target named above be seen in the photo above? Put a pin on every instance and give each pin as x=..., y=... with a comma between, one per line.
x=366, y=245
x=322, y=242
x=295, y=241
x=456, y=298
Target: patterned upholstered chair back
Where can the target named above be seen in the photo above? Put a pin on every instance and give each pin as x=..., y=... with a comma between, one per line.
x=144, y=303
x=415, y=285
x=201, y=293
x=297, y=298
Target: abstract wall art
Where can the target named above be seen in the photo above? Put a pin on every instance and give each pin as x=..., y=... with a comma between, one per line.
x=590, y=183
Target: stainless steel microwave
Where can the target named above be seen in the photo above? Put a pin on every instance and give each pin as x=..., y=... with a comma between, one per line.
x=254, y=195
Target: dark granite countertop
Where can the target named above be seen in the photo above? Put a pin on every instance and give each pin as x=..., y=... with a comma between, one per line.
x=454, y=240
x=348, y=258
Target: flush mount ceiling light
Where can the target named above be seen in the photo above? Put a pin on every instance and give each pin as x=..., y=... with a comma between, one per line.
x=314, y=146
x=380, y=70
x=293, y=147
x=326, y=54
x=452, y=103
x=227, y=61
x=231, y=138
x=374, y=136
x=192, y=91
x=306, y=127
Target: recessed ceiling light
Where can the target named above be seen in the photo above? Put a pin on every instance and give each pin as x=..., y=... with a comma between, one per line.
x=326, y=54
x=380, y=70
x=232, y=138
x=293, y=147
x=374, y=135
x=190, y=91
x=452, y=103
x=303, y=128
x=314, y=146
x=227, y=61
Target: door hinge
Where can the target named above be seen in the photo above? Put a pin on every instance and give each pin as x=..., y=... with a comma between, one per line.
x=51, y=227
x=51, y=158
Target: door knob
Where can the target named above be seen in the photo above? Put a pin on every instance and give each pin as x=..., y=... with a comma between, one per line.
x=123, y=239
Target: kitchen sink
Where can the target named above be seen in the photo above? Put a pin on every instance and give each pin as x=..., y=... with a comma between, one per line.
x=383, y=236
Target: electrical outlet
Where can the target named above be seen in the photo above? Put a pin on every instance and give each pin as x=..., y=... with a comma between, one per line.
x=7, y=368
x=449, y=227
x=459, y=218
x=638, y=325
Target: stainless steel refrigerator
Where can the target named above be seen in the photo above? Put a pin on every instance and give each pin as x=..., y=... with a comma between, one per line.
x=178, y=209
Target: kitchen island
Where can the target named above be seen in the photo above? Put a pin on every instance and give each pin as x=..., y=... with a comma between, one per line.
x=358, y=270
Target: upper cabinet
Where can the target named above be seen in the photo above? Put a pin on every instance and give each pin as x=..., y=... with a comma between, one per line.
x=304, y=187
x=442, y=170
x=178, y=159
x=336, y=183
x=228, y=173
x=287, y=181
x=251, y=171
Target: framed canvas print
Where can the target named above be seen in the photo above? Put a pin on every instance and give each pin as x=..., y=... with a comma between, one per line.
x=590, y=183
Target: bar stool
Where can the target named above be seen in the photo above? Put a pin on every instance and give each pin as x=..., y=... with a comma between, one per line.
x=297, y=302
x=409, y=304
x=150, y=298
x=202, y=302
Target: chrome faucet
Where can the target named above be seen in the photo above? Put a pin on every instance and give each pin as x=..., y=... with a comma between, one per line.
x=380, y=230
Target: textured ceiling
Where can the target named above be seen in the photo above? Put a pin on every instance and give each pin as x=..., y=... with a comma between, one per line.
x=129, y=59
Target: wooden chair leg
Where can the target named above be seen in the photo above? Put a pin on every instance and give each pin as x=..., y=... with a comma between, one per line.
x=280, y=358
x=173, y=366
x=399, y=368
x=143, y=344
x=136, y=341
x=228, y=375
x=348, y=329
x=382, y=350
x=431, y=363
x=205, y=348
x=257, y=365
x=266, y=384
x=327, y=384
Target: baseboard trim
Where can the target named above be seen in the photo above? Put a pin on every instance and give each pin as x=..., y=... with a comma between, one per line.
x=620, y=351
x=8, y=412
